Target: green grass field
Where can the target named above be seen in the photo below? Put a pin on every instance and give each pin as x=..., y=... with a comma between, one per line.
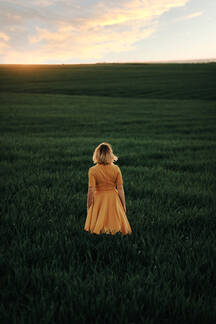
x=161, y=122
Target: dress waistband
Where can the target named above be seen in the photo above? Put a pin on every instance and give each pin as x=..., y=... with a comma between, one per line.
x=105, y=188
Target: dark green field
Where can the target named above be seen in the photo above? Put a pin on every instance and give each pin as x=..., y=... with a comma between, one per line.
x=161, y=122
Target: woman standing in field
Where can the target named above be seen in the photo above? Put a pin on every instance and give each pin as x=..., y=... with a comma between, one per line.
x=106, y=207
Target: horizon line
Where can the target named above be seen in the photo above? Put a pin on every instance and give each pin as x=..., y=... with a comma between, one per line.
x=204, y=60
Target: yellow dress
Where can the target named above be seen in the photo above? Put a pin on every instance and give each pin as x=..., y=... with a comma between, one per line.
x=106, y=214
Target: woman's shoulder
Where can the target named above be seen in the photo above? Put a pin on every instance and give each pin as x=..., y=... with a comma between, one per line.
x=116, y=166
x=92, y=168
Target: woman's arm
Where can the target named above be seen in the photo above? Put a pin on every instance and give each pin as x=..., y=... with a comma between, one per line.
x=90, y=197
x=121, y=194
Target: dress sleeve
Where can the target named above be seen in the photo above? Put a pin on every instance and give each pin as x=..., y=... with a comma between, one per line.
x=91, y=177
x=119, y=180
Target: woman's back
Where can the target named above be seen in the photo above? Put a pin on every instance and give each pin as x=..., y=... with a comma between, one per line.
x=105, y=176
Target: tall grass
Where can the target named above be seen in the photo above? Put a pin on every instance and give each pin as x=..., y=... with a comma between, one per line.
x=54, y=272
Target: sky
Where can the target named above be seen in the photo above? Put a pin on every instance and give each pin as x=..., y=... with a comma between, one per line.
x=92, y=31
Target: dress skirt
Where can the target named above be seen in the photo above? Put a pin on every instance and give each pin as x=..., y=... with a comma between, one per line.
x=106, y=214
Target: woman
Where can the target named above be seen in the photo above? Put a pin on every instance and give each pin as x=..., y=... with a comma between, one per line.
x=106, y=207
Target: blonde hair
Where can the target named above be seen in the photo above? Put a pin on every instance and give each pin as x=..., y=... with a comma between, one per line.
x=103, y=154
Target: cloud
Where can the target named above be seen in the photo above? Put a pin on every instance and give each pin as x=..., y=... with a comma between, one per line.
x=4, y=36
x=64, y=30
x=3, y=46
x=193, y=15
